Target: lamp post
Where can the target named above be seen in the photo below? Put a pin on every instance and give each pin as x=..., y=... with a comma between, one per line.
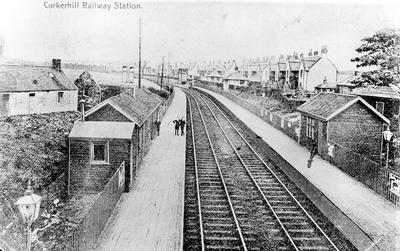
x=29, y=207
x=387, y=135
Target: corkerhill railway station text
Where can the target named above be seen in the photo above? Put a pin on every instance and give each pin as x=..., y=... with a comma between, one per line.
x=92, y=5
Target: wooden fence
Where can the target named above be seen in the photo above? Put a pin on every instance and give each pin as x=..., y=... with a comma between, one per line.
x=95, y=220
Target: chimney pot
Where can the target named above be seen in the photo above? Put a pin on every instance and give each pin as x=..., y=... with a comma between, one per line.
x=56, y=63
x=324, y=50
x=124, y=74
x=315, y=53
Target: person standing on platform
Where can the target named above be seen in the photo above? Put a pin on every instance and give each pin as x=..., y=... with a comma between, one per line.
x=182, y=125
x=158, y=124
x=177, y=124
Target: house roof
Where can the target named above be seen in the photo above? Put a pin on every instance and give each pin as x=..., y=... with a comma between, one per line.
x=378, y=91
x=102, y=130
x=310, y=61
x=22, y=78
x=327, y=85
x=294, y=65
x=137, y=108
x=235, y=76
x=282, y=66
x=325, y=106
x=214, y=73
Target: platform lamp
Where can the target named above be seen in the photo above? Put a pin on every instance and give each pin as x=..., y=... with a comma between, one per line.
x=387, y=135
x=29, y=207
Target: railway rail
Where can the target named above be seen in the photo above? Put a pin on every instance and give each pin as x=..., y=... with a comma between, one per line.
x=234, y=199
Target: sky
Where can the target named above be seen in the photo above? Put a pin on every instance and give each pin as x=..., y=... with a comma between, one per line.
x=190, y=31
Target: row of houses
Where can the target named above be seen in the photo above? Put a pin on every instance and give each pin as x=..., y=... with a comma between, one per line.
x=290, y=73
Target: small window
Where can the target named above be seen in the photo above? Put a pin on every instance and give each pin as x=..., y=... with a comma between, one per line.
x=99, y=152
x=31, y=94
x=60, y=97
x=380, y=107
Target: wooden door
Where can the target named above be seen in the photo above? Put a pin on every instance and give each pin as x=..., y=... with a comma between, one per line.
x=320, y=137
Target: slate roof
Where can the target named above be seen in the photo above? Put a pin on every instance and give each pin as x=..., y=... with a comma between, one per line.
x=294, y=65
x=325, y=106
x=102, y=130
x=310, y=61
x=137, y=109
x=23, y=78
x=378, y=91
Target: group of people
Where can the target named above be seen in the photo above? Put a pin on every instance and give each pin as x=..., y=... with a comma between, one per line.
x=179, y=123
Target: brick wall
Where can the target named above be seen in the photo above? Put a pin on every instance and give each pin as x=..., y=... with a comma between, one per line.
x=90, y=177
x=107, y=113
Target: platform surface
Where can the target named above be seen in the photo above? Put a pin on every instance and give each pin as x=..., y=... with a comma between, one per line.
x=378, y=218
x=150, y=216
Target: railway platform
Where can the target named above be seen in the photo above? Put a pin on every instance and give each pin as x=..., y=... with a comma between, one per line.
x=368, y=220
x=150, y=217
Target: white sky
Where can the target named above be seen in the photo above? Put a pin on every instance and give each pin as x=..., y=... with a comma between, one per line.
x=191, y=31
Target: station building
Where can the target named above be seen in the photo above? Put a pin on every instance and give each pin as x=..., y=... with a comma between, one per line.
x=118, y=130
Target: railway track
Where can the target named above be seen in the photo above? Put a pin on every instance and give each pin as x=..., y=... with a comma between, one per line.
x=268, y=215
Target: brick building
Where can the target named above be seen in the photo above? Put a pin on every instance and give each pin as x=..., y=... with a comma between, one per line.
x=117, y=130
x=334, y=122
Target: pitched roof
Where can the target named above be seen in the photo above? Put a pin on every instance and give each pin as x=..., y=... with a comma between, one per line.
x=378, y=91
x=102, y=130
x=282, y=66
x=294, y=65
x=235, y=76
x=21, y=78
x=310, y=61
x=137, y=108
x=214, y=73
x=325, y=106
x=327, y=85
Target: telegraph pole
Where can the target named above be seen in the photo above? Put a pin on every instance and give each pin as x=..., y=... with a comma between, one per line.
x=162, y=72
x=140, y=54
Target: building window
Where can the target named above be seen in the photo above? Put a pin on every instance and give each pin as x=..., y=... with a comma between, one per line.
x=310, y=128
x=380, y=107
x=31, y=94
x=99, y=152
x=60, y=97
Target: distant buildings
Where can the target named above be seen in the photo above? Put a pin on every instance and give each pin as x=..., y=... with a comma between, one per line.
x=31, y=89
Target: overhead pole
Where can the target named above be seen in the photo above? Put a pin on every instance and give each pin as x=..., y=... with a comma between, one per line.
x=140, y=54
x=162, y=72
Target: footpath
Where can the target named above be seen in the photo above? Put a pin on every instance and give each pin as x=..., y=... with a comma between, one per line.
x=376, y=220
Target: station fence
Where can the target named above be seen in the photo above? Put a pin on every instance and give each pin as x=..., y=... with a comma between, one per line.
x=374, y=175
x=85, y=237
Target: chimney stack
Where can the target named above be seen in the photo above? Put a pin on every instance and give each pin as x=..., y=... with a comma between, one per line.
x=56, y=63
x=324, y=50
x=131, y=74
x=301, y=55
x=310, y=53
x=124, y=74
x=132, y=91
x=315, y=53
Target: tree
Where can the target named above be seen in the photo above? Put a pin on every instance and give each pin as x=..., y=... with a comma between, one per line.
x=382, y=52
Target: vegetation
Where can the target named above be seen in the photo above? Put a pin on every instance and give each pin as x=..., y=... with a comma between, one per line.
x=382, y=52
x=89, y=91
x=162, y=93
x=33, y=147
